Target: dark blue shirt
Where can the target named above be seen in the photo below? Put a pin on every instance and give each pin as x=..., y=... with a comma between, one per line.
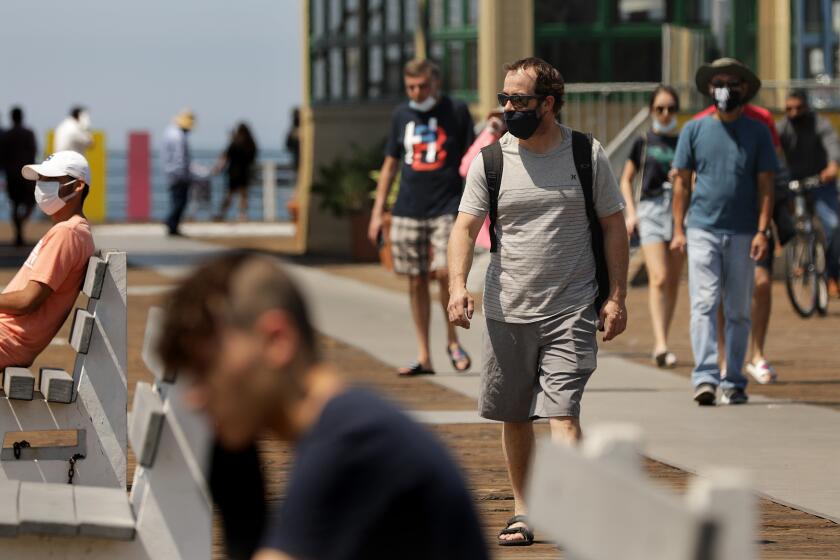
x=367, y=483
x=430, y=146
x=727, y=158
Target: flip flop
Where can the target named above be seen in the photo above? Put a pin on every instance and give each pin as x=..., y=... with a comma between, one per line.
x=415, y=368
x=527, y=535
x=457, y=355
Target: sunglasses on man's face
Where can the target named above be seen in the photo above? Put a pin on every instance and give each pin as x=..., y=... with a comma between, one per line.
x=518, y=102
x=671, y=109
x=726, y=83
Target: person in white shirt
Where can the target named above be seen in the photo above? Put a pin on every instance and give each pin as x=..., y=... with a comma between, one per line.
x=73, y=133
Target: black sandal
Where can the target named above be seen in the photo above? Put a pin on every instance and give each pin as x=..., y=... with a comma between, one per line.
x=457, y=355
x=415, y=368
x=527, y=535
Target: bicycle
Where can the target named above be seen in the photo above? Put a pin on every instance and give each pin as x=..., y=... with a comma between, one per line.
x=805, y=254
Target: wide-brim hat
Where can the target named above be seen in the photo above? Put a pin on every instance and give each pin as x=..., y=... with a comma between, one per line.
x=727, y=66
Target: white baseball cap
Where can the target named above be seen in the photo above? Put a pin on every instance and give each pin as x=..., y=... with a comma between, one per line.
x=59, y=164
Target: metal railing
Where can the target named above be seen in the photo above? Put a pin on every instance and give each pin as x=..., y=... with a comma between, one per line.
x=605, y=108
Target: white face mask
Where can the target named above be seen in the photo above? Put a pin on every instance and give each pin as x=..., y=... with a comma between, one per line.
x=84, y=120
x=424, y=106
x=666, y=128
x=46, y=195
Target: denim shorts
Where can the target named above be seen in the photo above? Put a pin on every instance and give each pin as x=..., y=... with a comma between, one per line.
x=656, y=222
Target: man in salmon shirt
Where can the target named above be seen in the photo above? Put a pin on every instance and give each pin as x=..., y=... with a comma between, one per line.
x=38, y=299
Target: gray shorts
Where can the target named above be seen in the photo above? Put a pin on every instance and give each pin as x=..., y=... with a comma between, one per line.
x=539, y=369
x=656, y=221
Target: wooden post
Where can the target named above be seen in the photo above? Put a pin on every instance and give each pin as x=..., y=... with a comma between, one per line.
x=269, y=176
x=137, y=177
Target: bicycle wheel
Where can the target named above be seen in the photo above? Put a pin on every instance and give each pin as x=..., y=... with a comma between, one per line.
x=822, y=283
x=801, y=275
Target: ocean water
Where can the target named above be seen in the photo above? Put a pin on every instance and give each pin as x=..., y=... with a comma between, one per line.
x=116, y=200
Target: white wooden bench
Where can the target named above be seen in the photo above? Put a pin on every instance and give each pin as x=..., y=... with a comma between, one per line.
x=596, y=503
x=92, y=399
x=168, y=513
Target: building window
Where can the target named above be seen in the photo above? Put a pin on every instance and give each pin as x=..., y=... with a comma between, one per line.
x=815, y=37
x=640, y=10
x=609, y=40
x=358, y=48
x=577, y=61
x=453, y=33
x=640, y=60
x=568, y=11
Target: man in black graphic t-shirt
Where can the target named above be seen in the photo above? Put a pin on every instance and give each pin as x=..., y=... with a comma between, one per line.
x=429, y=135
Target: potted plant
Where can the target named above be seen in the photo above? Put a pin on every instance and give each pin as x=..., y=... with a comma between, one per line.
x=345, y=187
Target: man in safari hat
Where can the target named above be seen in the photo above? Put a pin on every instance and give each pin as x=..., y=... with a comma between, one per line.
x=728, y=226
x=35, y=303
x=757, y=365
x=176, y=165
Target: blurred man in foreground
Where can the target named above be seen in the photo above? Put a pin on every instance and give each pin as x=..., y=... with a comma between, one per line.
x=367, y=482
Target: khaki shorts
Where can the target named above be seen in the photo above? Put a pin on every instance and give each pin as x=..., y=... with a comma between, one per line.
x=539, y=369
x=418, y=246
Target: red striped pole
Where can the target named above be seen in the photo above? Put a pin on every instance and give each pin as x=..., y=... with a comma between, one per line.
x=138, y=177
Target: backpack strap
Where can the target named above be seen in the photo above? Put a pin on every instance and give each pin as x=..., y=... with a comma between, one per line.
x=493, y=166
x=582, y=154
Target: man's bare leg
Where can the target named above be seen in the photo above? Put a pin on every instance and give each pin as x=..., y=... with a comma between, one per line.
x=418, y=293
x=565, y=429
x=518, y=445
x=761, y=305
x=451, y=334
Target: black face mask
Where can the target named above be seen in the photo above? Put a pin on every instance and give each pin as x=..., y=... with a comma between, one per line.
x=727, y=99
x=522, y=124
x=798, y=119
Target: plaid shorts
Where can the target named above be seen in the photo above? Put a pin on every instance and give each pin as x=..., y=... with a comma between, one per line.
x=418, y=246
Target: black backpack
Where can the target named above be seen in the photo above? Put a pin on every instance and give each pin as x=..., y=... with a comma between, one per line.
x=582, y=155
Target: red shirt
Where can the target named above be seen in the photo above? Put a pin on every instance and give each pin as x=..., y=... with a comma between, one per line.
x=754, y=112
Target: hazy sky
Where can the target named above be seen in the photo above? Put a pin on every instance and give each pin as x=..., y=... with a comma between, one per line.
x=136, y=63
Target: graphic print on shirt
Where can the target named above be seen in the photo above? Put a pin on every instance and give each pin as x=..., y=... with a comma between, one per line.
x=424, y=145
x=33, y=256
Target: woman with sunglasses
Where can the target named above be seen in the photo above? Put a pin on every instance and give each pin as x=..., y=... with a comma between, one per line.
x=648, y=214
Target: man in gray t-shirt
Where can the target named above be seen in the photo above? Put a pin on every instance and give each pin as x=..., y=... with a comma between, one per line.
x=539, y=345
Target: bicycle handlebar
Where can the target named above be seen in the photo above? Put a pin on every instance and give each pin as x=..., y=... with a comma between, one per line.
x=807, y=183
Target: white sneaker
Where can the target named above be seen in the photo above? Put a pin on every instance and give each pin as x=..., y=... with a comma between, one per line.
x=762, y=372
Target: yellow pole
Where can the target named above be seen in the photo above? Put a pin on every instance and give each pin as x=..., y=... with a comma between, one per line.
x=95, y=204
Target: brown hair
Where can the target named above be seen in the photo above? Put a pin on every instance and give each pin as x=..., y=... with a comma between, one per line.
x=421, y=67
x=662, y=88
x=231, y=290
x=549, y=80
